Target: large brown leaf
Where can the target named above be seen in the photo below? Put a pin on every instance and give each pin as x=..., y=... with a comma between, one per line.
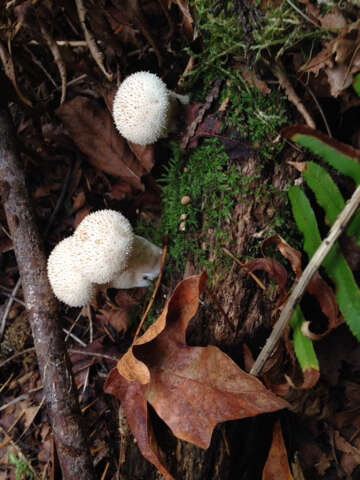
x=92, y=129
x=191, y=388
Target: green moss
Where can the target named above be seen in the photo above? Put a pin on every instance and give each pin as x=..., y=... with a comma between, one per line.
x=283, y=28
x=214, y=187
x=276, y=31
x=256, y=117
x=22, y=470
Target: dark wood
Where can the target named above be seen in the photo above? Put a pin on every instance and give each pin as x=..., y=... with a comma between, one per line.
x=60, y=394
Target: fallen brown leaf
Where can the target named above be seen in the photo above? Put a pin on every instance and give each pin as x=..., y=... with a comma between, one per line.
x=191, y=388
x=92, y=129
x=277, y=465
x=273, y=268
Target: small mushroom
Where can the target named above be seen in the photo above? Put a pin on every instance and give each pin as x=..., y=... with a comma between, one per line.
x=102, y=250
x=67, y=283
x=143, y=265
x=144, y=108
x=103, y=243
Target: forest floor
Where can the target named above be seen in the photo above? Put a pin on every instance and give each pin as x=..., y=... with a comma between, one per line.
x=215, y=189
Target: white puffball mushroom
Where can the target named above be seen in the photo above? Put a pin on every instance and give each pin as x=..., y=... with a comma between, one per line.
x=67, y=283
x=143, y=108
x=103, y=243
x=143, y=266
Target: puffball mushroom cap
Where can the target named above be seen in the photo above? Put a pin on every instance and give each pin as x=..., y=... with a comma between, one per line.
x=143, y=266
x=103, y=243
x=141, y=108
x=67, y=283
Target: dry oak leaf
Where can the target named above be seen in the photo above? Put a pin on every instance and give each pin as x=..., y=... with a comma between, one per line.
x=191, y=388
x=92, y=129
x=277, y=465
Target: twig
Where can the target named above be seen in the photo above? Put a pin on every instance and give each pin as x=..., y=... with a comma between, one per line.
x=94, y=354
x=157, y=284
x=57, y=58
x=279, y=72
x=90, y=40
x=252, y=275
x=18, y=354
x=302, y=14
x=311, y=93
x=73, y=325
x=54, y=366
x=103, y=476
x=9, y=71
x=8, y=307
x=19, y=453
x=74, y=337
x=20, y=398
x=40, y=65
x=315, y=262
x=91, y=328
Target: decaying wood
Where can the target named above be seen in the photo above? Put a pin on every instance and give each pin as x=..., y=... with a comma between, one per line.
x=41, y=306
x=314, y=264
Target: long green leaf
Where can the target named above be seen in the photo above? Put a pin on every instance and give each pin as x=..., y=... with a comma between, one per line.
x=356, y=84
x=342, y=157
x=303, y=346
x=329, y=197
x=305, y=219
x=347, y=291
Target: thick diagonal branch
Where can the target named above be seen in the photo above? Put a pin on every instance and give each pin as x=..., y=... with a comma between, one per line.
x=59, y=390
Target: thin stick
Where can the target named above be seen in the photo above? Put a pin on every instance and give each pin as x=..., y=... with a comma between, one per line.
x=74, y=337
x=311, y=93
x=314, y=264
x=19, y=453
x=254, y=277
x=280, y=73
x=20, y=398
x=96, y=54
x=73, y=325
x=16, y=355
x=8, y=307
x=303, y=14
x=93, y=354
x=55, y=50
x=157, y=285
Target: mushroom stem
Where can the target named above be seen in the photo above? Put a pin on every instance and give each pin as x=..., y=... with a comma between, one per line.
x=143, y=265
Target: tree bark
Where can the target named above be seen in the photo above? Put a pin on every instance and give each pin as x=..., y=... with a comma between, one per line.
x=60, y=394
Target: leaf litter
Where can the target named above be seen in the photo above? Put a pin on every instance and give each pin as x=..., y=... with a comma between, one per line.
x=48, y=150
x=182, y=383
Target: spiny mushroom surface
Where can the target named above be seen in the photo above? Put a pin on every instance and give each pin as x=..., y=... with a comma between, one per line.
x=144, y=108
x=102, y=250
x=103, y=243
x=141, y=108
x=67, y=283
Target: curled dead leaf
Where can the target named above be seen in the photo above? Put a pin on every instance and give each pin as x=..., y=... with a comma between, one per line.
x=273, y=268
x=292, y=255
x=191, y=388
